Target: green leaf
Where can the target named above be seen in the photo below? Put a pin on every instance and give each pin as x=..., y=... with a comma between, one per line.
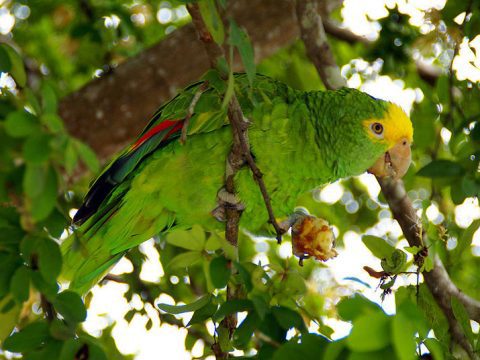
x=180, y=309
x=85, y=346
x=290, y=350
x=5, y=63
x=88, y=156
x=20, y=284
x=403, y=337
x=412, y=249
x=71, y=157
x=351, y=308
x=441, y=168
x=70, y=349
x=395, y=263
x=424, y=135
x=50, y=100
x=461, y=315
x=32, y=101
x=244, y=332
x=213, y=22
x=378, y=246
x=43, y=204
x=465, y=239
x=428, y=264
x=36, y=149
x=335, y=349
x=9, y=312
x=10, y=235
x=40, y=186
x=443, y=89
x=312, y=347
x=232, y=306
x=17, y=69
x=315, y=345
x=406, y=303
x=49, y=350
x=20, y=124
x=214, y=242
x=287, y=318
x=193, y=239
x=34, y=180
x=230, y=90
x=244, y=275
x=184, y=260
x=220, y=272
x=53, y=122
x=70, y=306
x=239, y=39
x=261, y=306
x=55, y=223
x=49, y=259
x=370, y=332
x=60, y=331
x=30, y=337
x=293, y=284
x=8, y=265
x=203, y=314
x=49, y=289
x=435, y=348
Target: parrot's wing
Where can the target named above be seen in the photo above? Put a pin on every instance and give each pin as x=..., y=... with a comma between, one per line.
x=164, y=127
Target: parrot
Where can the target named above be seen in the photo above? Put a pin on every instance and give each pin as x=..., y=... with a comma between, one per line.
x=165, y=180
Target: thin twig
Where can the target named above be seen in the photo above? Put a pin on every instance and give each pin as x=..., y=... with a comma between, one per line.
x=47, y=308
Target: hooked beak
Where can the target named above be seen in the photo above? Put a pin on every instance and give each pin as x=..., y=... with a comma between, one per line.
x=394, y=163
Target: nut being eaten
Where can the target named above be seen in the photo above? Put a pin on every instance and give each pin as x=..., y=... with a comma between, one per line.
x=312, y=236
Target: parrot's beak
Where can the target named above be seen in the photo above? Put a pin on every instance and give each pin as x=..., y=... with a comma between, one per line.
x=394, y=163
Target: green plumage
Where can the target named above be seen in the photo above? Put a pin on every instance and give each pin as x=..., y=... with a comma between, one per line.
x=299, y=140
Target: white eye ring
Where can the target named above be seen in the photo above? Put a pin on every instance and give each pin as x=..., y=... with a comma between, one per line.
x=377, y=129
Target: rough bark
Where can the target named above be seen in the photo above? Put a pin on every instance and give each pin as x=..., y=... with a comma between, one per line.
x=318, y=48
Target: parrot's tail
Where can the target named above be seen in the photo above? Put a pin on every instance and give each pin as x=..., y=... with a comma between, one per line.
x=84, y=266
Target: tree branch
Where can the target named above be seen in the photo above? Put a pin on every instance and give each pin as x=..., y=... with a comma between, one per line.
x=315, y=39
x=437, y=280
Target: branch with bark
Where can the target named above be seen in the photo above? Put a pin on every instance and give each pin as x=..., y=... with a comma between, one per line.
x=437, y=280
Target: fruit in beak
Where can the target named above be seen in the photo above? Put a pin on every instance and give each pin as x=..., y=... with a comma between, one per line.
x=394, y=163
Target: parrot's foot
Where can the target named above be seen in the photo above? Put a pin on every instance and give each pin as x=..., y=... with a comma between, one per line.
x=225, y=200
x=311, y=236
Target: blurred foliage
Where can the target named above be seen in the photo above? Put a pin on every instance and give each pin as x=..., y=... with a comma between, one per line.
x=284, y=308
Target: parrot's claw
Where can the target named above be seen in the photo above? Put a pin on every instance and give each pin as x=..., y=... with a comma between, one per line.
x=226, y=199
x=311, y=236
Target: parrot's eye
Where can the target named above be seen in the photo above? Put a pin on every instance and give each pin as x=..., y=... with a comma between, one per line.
x=377, y=128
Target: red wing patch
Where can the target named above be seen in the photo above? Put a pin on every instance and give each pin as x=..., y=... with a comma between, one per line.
x=175, y=126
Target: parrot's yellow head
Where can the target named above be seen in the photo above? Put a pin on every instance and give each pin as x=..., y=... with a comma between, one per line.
x=394, y=130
